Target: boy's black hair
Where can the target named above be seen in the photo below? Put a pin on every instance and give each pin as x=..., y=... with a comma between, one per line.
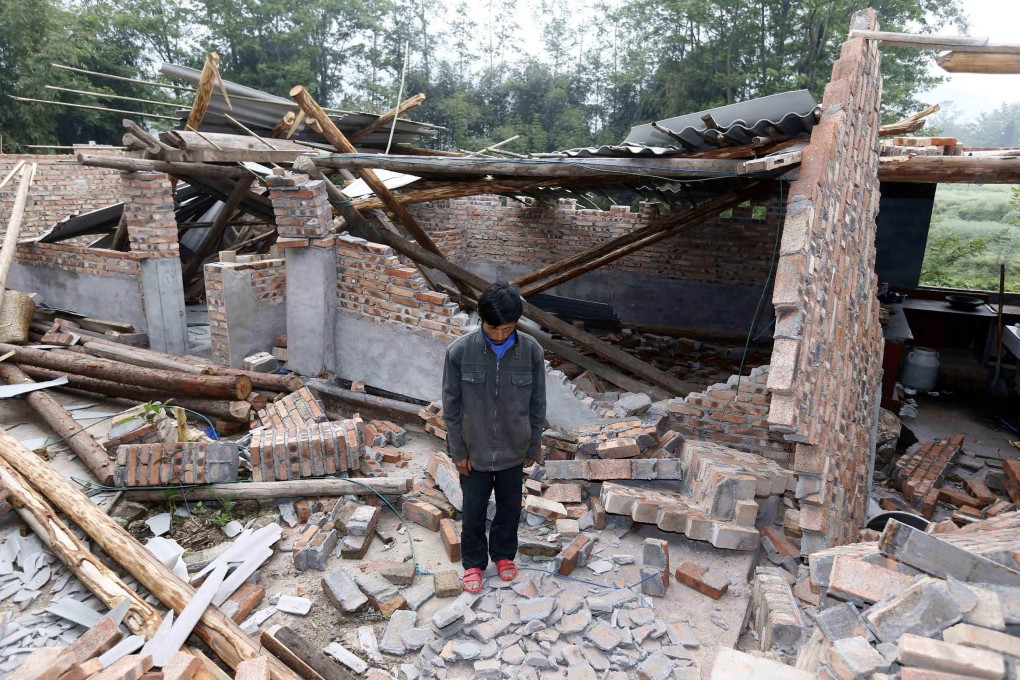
x=500, y=304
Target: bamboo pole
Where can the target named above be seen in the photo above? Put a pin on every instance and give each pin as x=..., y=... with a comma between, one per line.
x=93, y=108
x=17, y=167
x=220, y=387
x=222, y=635
x=95, y=457
x=141, y=618
x=10, y=246
x=388, y=117
x=237, y=411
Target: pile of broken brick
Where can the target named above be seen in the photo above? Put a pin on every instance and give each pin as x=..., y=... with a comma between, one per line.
x=912, y=605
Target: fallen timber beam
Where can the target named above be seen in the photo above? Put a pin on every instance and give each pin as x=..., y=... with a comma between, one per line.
x=214, y=386
x=695, y=215
x=956, y=43
x=387, y=118
x=458, y=274
x=203, y=92
x=911, y=123
x=976, y=62
x=126, y=354
x=141, y=618
x=236, y=411
x=293, y=488
x=125, y=164
x=95, y=457
x=548, y=168
x=950, y=169
x=332, y=133
x=222, y=635
x=364, y=400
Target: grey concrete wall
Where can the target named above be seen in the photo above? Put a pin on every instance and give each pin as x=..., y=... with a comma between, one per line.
x=252, y=324
x=390, y=357
x=163, y=299
x=311, y=310
x=638, y=298
x=118, y=298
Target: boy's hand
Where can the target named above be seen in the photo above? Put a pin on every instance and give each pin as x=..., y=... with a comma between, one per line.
x=463, y=466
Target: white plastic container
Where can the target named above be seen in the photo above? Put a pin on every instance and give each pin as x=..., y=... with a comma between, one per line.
x=921, y=370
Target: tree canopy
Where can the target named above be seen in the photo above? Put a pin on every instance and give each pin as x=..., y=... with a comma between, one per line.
x=589, y=72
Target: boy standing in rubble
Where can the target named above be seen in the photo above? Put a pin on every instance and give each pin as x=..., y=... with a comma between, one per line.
x=494, y=406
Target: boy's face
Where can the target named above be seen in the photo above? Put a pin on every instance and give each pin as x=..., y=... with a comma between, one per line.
x=499, y=334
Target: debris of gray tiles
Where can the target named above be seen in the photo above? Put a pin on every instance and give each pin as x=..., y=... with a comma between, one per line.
x=159, y=524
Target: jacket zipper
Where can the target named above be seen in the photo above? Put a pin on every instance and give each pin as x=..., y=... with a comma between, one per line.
x=495, y=413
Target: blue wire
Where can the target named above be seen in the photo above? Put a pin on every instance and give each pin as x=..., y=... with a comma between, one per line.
x=765, y=330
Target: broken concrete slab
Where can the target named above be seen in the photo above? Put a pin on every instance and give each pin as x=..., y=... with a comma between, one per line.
x=940, y=558
x=392, y=640
x=926, y=608
x=343, y=592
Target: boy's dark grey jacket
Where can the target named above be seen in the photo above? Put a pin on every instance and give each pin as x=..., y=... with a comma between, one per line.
x=494, y=413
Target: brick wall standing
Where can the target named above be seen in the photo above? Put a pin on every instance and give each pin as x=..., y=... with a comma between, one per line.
x=732, y=417
x=61, y=188
x=374, y=283
x=72, y=258
x=149, y=212
x=268, y=284
x=828, y=347
x=736, y=249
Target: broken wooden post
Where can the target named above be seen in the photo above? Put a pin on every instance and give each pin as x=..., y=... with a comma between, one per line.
x=95, y=457
x=388, y=117
x=221, y=634
x=236, y=411
x=220, y=387
x=210, y=72
x=141, y=618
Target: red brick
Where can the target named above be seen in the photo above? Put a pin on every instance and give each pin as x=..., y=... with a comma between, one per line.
x=599, y=469
x=1012, y=479
x=428, y=516
x=96, y=640
x=181, y=666
x=568, y=558
x=781, y=543
x=980, y=491
x=247, y=596
x=693, y=576
x=451, y=539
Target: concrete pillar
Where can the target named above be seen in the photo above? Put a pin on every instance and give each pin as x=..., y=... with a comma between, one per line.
x=152, y=231
x=311, y=309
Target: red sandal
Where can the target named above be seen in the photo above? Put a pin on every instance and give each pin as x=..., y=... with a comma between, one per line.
x=507, y=569
x=472, y=581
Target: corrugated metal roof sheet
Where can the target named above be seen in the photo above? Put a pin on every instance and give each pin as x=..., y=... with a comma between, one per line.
x=779, y=116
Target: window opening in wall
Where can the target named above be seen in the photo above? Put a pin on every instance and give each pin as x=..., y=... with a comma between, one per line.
x=974, y=228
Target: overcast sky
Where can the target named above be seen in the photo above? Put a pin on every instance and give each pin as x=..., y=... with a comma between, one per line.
x=972, y=93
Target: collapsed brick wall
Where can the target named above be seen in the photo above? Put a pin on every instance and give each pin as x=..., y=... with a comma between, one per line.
x=266, y=287
x=372, y=282
x=828, y=341
x=61, y=187
x=736, y=249
x=733, y=418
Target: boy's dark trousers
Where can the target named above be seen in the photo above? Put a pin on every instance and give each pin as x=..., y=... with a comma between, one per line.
x=502, y=543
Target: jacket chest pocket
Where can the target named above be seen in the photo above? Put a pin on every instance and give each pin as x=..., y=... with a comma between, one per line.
x=473, y=374
x=520, y=379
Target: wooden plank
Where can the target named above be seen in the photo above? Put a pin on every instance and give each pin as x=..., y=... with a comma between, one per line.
x=950, y=169
x=975, y=62
x=314, y=657
x=10, y=244
x=957, y=43
x=770, y=163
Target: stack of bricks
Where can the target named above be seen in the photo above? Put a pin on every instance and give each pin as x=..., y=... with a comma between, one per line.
x=300, y=205
x=381, y=433
x=180, y=463
x=61, y=187
x=733, y=248
x=149, y=214
x=292, y=411
x=828, y=341
x=372, y=282
x=714, y=502
x=433, y=417
x=310, y=450
x=735, y=419
x=920, y=473
x=775, y=615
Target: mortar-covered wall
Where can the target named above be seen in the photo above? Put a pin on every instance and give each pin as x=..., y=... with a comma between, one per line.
x=61, y=187
x=724, y=261
x=827, y=355
x=247, y=307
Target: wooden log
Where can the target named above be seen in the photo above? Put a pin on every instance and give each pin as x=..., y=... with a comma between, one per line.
x=237, y=411
x=14, y=225
x=547, y=168
x=215, y=234
x=285, y=122
x=130, y=355
x=141, y=618
x=171, y=168
x=214, y=386
x=950, y=169
x=911, y=123
x=95, y=457
x=268, y=641
x=313, y=657
x=332, y=133
x=364, y=400
x=975, y=62
x=293, y=488
x=222, y=635
x=388, y=117
x=144, y=135
x=956, y=43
